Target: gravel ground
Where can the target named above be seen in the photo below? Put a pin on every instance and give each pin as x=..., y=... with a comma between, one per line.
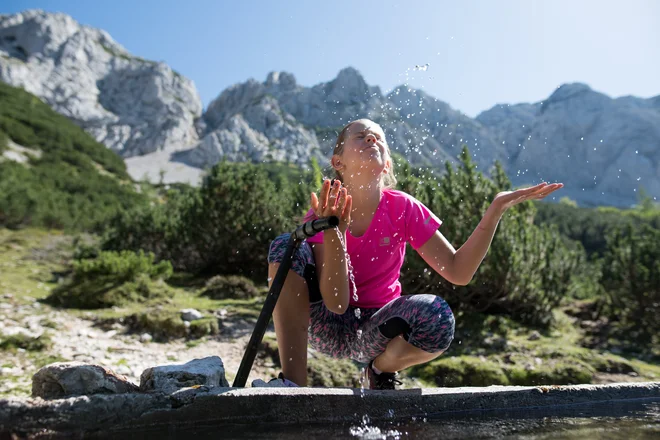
x=78, y=339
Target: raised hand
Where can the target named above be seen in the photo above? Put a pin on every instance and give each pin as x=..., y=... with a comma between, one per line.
x=506, y=199
x=333, y=200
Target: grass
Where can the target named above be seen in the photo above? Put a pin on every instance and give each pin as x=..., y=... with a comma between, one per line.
x=487, y=350
x=505, y=353
x=21, y=341
x=25, y=274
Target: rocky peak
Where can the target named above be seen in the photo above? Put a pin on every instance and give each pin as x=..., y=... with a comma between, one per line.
x=570, y=93
x=283, y=81
x=36, y=33
x=133, y=106
x=233, y=100
x=349, y=86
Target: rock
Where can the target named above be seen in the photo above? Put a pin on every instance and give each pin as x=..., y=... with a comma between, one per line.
x=603, y=149
x=63, y=379
x=145, y=337
x=132, y=105
x=209, y=371
x=191, y=314
x=534, y=336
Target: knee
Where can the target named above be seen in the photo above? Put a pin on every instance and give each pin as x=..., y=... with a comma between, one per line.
x=300, y=259
x=437, y=328
x=277, y=248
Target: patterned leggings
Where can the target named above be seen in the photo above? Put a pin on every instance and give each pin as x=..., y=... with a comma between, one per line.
x=361, y=334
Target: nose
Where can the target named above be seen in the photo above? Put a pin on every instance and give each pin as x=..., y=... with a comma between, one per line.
x=371, y=138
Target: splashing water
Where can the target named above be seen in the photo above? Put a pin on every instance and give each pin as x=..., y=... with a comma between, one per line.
x=364, y=431
x=351, y=277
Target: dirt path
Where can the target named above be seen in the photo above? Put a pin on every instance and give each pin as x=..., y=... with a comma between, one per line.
x=78, y=339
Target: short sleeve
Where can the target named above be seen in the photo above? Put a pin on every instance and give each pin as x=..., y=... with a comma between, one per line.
x=421, y=223
x=318, y=238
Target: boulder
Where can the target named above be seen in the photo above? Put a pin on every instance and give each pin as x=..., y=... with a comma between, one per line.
x=63, y=379
x=209, y=371
x=191, y=314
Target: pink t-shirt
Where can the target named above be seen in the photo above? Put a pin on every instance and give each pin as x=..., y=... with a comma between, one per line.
x=377, y=255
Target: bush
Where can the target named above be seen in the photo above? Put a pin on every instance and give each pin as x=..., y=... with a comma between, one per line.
x=76, y=184
x=230, y=287
x=462, y=371
x=164, y=325
x=554, y=373
x=25, y=342
x=631, y=278
x=225, y=227
x=121, y=266
x=322, y=370
x=528, y=269
x=113, y=279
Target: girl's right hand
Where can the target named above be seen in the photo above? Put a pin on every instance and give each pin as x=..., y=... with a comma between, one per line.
x=333, y=200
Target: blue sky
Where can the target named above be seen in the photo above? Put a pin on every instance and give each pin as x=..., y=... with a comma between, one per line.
x=480, y=53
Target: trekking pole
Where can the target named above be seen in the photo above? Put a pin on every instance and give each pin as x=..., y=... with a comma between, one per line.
x=306, y=230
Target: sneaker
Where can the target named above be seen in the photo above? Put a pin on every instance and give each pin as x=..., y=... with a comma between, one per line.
x=279, y=382
x=382, y=381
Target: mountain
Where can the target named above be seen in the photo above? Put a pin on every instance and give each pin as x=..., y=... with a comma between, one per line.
x=131, y=105
x=603, y=149
x=54, y=174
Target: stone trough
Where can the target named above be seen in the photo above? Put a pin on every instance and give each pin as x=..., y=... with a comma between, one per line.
x=198, y=393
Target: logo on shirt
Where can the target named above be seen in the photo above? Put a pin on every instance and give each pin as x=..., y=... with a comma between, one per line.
x=428, y=219
x=385, y=241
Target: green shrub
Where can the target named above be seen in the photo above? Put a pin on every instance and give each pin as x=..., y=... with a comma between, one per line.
x=121, y=266
x=528, y=269
x=554, y=373
x=461, y=371
x=203, y=327
x=85, y=247
x=230, y=287
x=631, y=278
x=25, y=342
x=76, y=184
x=113, y=279
x=590, y=226
x=324, y=371
x=225, y=227
x=3, y=141
x=164, y=325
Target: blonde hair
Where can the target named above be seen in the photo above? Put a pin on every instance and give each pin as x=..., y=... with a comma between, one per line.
x=388, y=180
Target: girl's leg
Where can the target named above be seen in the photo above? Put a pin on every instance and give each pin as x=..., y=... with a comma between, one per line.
x=400, y=355
x=291, y=317
x=407, y=331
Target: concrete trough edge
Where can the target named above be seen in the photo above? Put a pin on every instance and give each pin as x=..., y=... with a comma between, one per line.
x=205, y=405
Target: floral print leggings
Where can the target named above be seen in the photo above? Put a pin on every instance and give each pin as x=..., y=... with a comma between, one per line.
x=361, y=334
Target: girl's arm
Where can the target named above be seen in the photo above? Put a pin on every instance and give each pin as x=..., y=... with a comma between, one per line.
x=459, y=266
x=332, y=271
x=330, y=256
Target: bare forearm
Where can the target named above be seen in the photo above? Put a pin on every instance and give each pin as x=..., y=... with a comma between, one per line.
x=469, y=256
x=334, y=282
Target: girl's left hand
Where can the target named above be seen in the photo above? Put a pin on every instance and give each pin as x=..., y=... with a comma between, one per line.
x=506, y=199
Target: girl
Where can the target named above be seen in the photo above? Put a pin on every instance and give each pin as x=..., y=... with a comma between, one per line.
x=343, y=294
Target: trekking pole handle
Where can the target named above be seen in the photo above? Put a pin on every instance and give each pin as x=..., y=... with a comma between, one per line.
x=313, y=227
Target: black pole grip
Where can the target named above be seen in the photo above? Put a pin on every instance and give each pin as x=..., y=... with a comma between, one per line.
x=313, y=227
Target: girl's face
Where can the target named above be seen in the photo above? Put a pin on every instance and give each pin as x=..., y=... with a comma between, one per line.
x=365, y=151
